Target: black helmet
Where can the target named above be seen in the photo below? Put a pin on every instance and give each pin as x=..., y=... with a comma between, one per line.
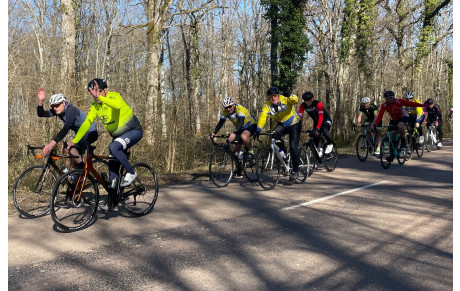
x=307, y=96
x=389, y=94
x=273, y=90
x=429, y=101
x=100, y=82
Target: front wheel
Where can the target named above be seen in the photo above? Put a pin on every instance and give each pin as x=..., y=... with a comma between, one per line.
x=74, y=200
x=267, y=169
x=362, y=148
x=418, y=144
x=330, y=159
x=139, y=198
x=221, y=168
x=402, y=153
x=409, y=146
x=312, y=159
x=304, y=164
x=32, y=191
x=386, y=153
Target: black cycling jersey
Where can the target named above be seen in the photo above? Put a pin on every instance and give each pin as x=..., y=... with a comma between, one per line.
x=72, y=117
x=433, y=114
x=369, y=112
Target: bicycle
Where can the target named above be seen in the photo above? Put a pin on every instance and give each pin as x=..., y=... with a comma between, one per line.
x=32, y=189
x=271, y=162
x=224, y=161
x=431, y=138
x=390, y=148
x=366, y=143
x=414, y=142
x=315, y=153
x=75, y=196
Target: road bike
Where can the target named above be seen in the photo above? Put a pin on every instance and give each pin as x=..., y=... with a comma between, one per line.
x=316, y=152
x=366, y=142
x=431, y=138
x=32, y=189
x=272, y=162
x=225, y=162
x=414, y=142
x=390, y=148
x=75, y=196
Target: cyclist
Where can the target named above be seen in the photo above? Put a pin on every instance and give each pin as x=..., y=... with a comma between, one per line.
x=394, y=107
x=370, y=111
x=71, y=117
x=416, y=116
x=282, y=110
x=451, y=113
x=122, y=125
x=434, y=117
x=245, y=126
x=322, y=121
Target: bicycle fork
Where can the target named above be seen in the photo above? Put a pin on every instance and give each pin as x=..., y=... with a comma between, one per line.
x=276, y=149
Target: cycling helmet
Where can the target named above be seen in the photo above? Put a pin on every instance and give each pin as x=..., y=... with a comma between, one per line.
x=56, y=99
x=228, y=101
x=365, y=100
x=409, y=95
x=273, y=90
x=100, y=82
x=389, y=94
x=307, y=96
x=429, y=101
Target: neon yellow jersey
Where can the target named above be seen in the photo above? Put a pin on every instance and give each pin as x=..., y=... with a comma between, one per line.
x=418, y=111
x=116, y=115
x=240, y=111
x=283, y=113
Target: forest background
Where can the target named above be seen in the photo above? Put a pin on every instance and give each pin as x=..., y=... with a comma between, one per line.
x=174, y=61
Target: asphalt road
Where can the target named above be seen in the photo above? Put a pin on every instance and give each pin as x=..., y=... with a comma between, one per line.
x=358, y=228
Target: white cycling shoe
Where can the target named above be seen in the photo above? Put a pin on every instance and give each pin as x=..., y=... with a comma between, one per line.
x=128, y=179
x=328, y=148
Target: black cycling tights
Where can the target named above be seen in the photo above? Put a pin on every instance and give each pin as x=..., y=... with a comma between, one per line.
x=294, y=136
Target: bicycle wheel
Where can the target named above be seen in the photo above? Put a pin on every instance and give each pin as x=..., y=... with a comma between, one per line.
x=409, y=147
x=418, y=146
x=312, y=159
x=430, y=141
x=221, y=168
x=386, y=156
x=402, y=152
x=304, y=164
x=267, y=169
x=249, y=168
x=361, y=148
x=330, y=159
x=32, y=191
x=140, y=197
x=74, y=200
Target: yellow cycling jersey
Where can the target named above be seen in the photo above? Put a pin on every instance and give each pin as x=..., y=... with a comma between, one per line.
x=284, y=112
x=418, y=111
x=240, y=111
x=113, y=111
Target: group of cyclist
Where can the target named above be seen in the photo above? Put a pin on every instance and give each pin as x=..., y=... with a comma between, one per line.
x=117, y=117
x=282, y=110
x=126, y=130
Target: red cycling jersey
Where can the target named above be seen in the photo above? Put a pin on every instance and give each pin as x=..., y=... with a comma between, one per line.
x=395, y=109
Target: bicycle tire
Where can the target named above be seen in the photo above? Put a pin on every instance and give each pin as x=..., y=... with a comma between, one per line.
x=386, y=153
x=362, y=150
x=409, y=147
x=312, y=159
x=70, y=211
x=32, y=191
x=430, y=142
x=330, y=159
x=267, y=169
x=419, y=147
x=221, y=167
x=304, y=165
x=249, y=168
x=402, y=153
x=140, y=197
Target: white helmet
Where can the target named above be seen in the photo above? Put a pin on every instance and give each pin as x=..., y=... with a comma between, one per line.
x=409, y=95
x=56, y=99
x=365, y=100
x=228, y=101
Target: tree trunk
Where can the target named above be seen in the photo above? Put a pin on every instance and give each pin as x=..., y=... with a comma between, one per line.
x=68, y=54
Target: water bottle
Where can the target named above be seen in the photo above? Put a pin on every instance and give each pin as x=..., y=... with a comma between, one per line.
x=281, y=152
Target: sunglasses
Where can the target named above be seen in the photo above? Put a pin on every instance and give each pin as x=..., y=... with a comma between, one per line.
x=56, y=105
x=228, y=107
x=389, y=97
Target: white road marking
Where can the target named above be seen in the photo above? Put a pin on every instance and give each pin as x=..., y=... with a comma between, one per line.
x=332, y=196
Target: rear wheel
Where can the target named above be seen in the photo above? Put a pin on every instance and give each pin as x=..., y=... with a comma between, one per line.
x=250, y=165
x=74, y=200
x=32, y=191
x=312, y=159
x=386, y=156
x=361, y=148
x=221, y=168
x=267, y=169
x=304, y=164
x=140, y=197
x=330, y=159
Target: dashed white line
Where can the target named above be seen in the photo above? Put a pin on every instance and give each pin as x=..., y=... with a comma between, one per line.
x=332, y=196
